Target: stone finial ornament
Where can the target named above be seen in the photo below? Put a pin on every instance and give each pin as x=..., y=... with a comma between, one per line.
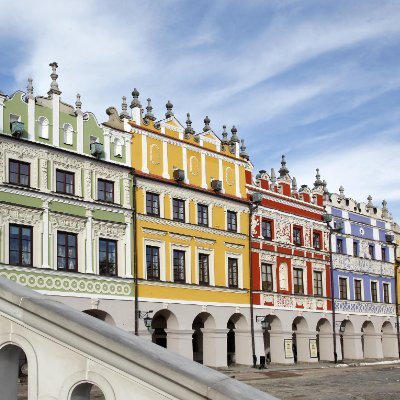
x=188, y=130
x=234, y=137
x=326, y=191
x=29, y=88
x=78, y=103
x=273, y=177
x=318, y=181
x=283, y=170
x=243, y=153
x=341, y=191
x=169, y=107
x=54, y=85
x=369, y=204
x=135, y=101
x=124, y=106
x=149, y=115
x=224, y=135
x=385, y=210
x=207, y=126
x=294, y=185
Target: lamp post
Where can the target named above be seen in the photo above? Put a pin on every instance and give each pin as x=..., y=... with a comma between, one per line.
x=390, y=239
x=328, y=218
x=254, y=202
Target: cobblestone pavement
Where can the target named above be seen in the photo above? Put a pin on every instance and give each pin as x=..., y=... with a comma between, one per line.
x=375, y=382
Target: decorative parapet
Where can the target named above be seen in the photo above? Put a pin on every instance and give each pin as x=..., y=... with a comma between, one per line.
x=59, y=283
x=363, y=307
x=284, y=301
x=363, y=265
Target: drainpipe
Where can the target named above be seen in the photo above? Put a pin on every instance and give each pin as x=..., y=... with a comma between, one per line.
x=135, y=262
x=396, y=267
x=332, y=296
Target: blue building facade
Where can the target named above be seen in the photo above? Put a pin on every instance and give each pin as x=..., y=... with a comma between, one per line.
x=363, y=278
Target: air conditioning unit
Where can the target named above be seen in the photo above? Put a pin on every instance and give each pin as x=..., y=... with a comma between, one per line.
x=17, y=128
x=179, y=175
x=96, y=149
x=256, y=198
x=216, y=185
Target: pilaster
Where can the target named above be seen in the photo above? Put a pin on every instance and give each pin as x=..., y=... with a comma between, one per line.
x=180, y=341
x=215, y=347
x=89, y=242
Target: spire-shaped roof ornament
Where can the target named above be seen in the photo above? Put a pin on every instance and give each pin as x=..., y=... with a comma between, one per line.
x=283, y=171
x=224, y=135
x=207, y=126
x=273, y=177
x=369, y=204
x=318, y=181
x=78, y=103
x=294, y=185
x=243, y=153
x=54, y=85
x=326, y=191
x=149, y=115
x=124, y=106
x=234, y=137
x=169, y=107
x=385, y=210
x=188, y=130
x=29, y=89
x=341, y=191
x=135, y=101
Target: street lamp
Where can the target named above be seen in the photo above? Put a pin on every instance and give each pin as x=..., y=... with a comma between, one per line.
x=255, y=200
x=265, y=325
x=328, y=218
x=144, y=315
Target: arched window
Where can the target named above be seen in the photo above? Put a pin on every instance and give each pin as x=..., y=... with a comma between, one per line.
x=117, y=147
x=87, y=391
x=43, y=125
x=68, y=134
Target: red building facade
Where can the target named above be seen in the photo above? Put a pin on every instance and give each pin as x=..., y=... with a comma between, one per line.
x=291, y=288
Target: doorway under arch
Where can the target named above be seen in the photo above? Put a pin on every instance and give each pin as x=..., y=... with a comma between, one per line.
x=272, y=352
x=238, y=349
x=13, y=371
x=389, y=341
x=202, y=320
x=299, y=324
x=324, y=340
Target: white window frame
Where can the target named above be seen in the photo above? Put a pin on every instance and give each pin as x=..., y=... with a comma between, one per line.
x=161, y=245
x=347, y=287
x=383, y=292
x=315, y=269
x=274, y=275
x=188, y=269
x=68, y=130
x=187, y=205
x=362, y=288
x=378, y=291
x=210, y=253
x=43, y=122
x=239, y=258
x=305, y=283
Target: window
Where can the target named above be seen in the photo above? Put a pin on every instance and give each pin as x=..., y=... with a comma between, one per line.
x=19, y=172
x=202, y=214
x=178, y=210
x=297, y=236
x=355, y=249
x=179, y=265
x=386, y=296
x=383, y=252
x=357, y=290
x=232, y=221
x=267, y=277
x=339, y=246
x=318, y=291
x=371, y=251
x=152, y=204
x=298, y=286
x=343, y=288
x=232, y=272
x=68, y=134
x=266, y=229
x=105, y=191
x=43, y=125
x=65, y=182
x=67, y=255
x=317, y=240
x=153, y=262
x=117, y=148
x=21, y=245
x=374, y=292
x=204, y=269
x=108, y=257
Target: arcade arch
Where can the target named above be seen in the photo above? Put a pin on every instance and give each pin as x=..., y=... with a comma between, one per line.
x=101, y=315
x=87, y=391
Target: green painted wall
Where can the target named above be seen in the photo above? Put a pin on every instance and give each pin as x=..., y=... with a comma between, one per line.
x=41, y=111
x=16, y=105
x=20, y=199
x=72, y=120
x=91, y=128
x=67, y=208
x=108, y=216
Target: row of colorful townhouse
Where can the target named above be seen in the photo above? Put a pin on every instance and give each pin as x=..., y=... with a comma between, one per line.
x=165, y=232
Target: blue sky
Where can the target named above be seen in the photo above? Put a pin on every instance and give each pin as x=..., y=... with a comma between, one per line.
x=318, y=81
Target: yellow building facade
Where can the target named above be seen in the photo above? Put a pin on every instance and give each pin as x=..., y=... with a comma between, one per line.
x=192, y=244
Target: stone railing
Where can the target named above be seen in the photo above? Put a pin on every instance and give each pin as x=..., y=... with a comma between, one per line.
x=364, y=265
x=363, y=307
x=279, y=300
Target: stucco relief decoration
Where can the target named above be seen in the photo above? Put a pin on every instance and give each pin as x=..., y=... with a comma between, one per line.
x=364, y=250
x=307, y=237
x=229, y=177
x=349, y=263
x=255, y=223
x=267, y=257
x=364, y=307
x=44, y=176
x=155, y=155
x=194, y=165
x=109, y=230
x=326, y=241
x=267, y=299
x=282, y=231
x=19, y=215
x=68, y=223
x=283, y=276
